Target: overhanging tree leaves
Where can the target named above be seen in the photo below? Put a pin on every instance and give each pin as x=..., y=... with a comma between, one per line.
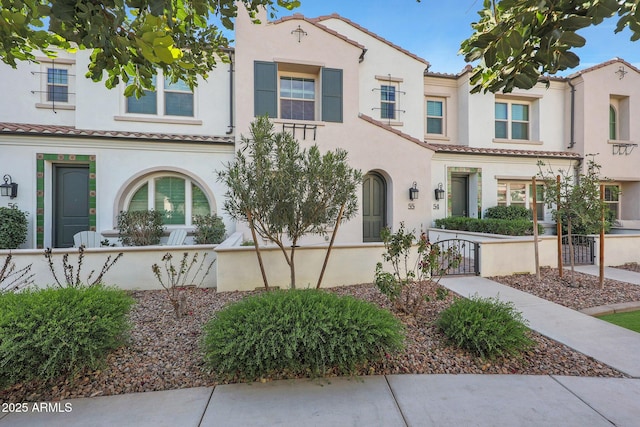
x=518, y=41
x=284, y=193
x=130, y=39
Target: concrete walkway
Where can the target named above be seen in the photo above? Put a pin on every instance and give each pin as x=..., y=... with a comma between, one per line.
x=396, y=400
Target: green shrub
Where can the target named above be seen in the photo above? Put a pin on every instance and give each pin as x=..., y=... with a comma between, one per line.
x=509, y=227
x=487, y=327
x=407, y=285
x=298, y=331
x=508, y=212
x=50, y=332
x=209, y=229
x=13, y=228
x=140, y=228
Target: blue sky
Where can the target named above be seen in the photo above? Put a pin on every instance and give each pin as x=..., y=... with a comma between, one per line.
x=433, y=29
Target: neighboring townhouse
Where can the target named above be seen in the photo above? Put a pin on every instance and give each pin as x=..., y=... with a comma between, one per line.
x=488, y=146
x=605, y=100
x=81, y=153
x=335, y=84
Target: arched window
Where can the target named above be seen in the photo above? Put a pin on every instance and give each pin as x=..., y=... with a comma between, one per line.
x=178, y=196
x=613, y=123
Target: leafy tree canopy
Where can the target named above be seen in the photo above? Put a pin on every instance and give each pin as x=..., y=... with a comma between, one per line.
x=130, y=39
x=518, y=41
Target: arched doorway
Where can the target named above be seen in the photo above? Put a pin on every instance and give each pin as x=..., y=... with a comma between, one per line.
x=374, y=201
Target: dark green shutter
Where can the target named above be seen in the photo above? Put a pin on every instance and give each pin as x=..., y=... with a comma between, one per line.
x=331, y=95
x=265, y=89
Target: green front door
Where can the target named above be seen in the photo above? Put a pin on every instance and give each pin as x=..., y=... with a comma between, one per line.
x=459, y=196
x=70, y=203
x=373, y=207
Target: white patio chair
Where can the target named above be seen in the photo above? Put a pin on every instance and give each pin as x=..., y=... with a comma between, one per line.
x=177, y=237
x=90, y=239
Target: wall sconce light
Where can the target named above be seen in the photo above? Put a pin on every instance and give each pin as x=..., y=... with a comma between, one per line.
x=413, y=191
x=439, y=192
x=9, y=188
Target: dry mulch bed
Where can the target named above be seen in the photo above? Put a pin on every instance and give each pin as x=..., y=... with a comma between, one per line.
x=163, y=353
x=583, y=292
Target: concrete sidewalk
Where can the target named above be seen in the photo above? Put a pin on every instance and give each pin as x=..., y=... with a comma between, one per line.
x=398, y=400
x=386, y=401
x=611, y=273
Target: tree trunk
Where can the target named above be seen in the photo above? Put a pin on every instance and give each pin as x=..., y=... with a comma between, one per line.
x=257, y=247
x=333, y=238
x=292, y=265
x=571, y=251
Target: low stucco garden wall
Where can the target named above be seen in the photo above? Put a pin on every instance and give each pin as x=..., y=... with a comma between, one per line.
x=131, y=272
x=236, y=267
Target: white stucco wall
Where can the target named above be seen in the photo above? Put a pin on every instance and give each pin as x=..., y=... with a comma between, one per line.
x=24, y=92
x=118, y=161
x=383, y=60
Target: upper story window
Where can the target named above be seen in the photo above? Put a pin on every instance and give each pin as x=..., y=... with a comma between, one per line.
x=435, y=116
x=613, y=123
x=520, y=193
x=512, y=120
x=297, y=98
x=169, y=99
x=177, y=196
x=619, y=118
x=57, y=85
x=297, y=91
x=388, y=102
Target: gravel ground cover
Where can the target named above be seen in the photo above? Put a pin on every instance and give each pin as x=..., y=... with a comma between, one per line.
x=163, y=352
x=585, y=291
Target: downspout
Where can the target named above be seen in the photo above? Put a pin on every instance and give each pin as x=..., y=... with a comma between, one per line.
x=231, y=72
x=572, y=141
x=364, y=51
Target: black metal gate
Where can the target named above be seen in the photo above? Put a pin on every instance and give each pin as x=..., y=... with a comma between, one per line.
x=468, y=252
x=583, y=250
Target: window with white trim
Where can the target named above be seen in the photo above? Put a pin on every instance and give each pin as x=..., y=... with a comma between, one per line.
x=435, y=116
x=56, y=84
x=177, y=196
x=512, y=120
x=297, y=98
x=612, y=200
x=520, y=193
x=388, y=101
x=169, y=99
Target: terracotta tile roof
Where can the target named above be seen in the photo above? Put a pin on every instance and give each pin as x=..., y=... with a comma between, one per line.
x=463, y=149
x=601, y=65
x=372, y=34
x=54, y=130
x=394, y=130
x=315, y=23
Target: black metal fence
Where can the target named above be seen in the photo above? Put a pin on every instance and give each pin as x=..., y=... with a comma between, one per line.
x=468, y=251
x=583, y=249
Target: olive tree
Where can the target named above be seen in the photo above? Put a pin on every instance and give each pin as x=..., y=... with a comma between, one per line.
x=575, y=198
x=284, y=192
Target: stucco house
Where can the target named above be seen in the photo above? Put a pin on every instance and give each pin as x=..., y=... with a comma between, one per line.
x=82, y=153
